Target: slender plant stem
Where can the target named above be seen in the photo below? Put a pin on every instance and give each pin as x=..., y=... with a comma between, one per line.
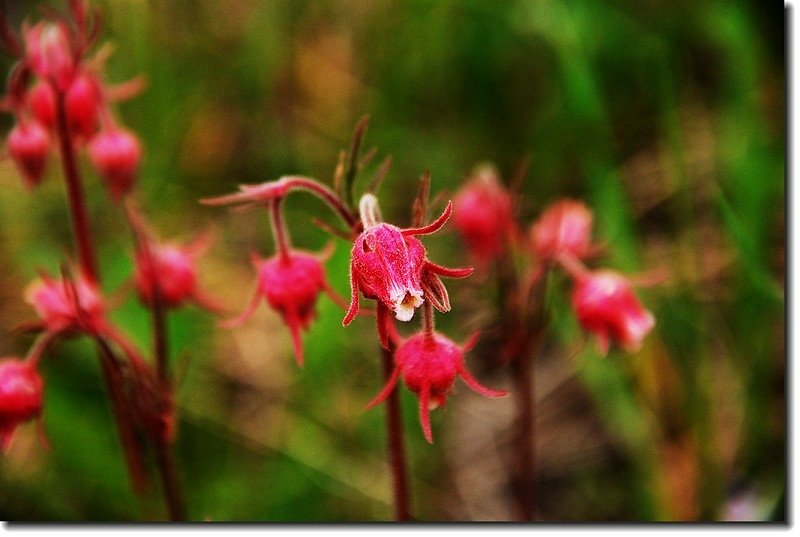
x=132, y=450
x=80, y=221
x=525, y=459
x=397, y=457
x=170, y=481
x=279, y=229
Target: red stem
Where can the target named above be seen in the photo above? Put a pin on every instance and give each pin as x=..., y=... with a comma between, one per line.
x=134, y=458
x=397, y=457
x=77, y=205
x=279, y=229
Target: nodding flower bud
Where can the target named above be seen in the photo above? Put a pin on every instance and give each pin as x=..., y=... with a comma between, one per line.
x=29, y=148
x=429, y=364
x=49, y=54
x=116, y=154
x=565, y=227
x=41, y=101
x=483, y=216
x=606, y=305
x=390, y=265
x=290, y=284
x=21, y=389
x=66, y=306
x=82, y=105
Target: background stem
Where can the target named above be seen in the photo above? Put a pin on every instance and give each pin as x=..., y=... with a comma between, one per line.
x=397, y=457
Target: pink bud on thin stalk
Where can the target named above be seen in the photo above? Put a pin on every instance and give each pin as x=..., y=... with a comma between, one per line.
x=290, y=284
x=21, y=390
x=82, y=105
x=29, y=148
x=390, y=265
x=483, y=216
x=49, y=53
x=116, y=154
x=606, y=305
x=41, y=101
x=66, y=306
x=429, y=364
x=564, y=228
x=173, y=268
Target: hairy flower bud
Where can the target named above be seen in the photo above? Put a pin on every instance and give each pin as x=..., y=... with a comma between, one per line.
x=21, y=389
x=29, y=148
x=429, y=364
x=172, y=270
x=565, y=227
x=41, y=101
x=290, y=285
x=483, y=216
x=82, y=105
x=606, y=305
x=67, y=306
x=116, y=155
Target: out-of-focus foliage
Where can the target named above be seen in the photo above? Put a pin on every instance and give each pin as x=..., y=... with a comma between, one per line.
x=667, y=117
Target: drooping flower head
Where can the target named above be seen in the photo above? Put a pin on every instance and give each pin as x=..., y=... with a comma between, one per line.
x=66, y=306
x=49, y=54
x=21, y=390
x=606, y=305
x=429, y=364
x=483, y=215
x=390, y=265
x=116, y=154
x=565, y=227
x=290, y=284
x=29, y=148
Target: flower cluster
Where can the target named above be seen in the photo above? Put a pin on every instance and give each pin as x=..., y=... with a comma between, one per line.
x=58, y=97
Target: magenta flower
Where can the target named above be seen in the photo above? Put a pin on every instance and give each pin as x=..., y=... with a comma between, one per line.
x=116, y=154
x=429, y=364
x=390, y=265
x=65, y=306
x=483, y=216
x=29, y=148
x=565, y=227
x=606, y=305
x=290, y=285
x=21, y=389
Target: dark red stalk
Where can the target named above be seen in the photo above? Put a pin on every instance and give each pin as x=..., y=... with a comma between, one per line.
x=397, y=457
x=134, y=457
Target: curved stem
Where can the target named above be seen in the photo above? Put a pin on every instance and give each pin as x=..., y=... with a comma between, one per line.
x=394, y=424
x=279, y=229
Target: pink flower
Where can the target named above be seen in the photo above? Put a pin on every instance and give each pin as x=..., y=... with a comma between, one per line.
x=49, y=54
x=483, y=216
x=565, y=227
x=116, y=154
x=429, y=364
x=21, y=389
x=42, y=103
x=66, y=306
x=606, y=305
x=82, y=105
x=174, y=270
x=390, y=265
x=29, y=148
x=290, y=284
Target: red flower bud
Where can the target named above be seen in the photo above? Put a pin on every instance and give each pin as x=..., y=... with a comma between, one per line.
x=483, y=216
x=29, y=147
x=174, y=270
x=82, y=105
x=116, y=154
x=429, y=364
x=390, y=265
x=606, y=305
x=49, y=54
x=42, y=104
x=565, y=227
x=67, y=306
x=290, y=284
x=20, y=396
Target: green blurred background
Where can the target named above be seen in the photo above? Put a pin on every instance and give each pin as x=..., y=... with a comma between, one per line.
x=667, y=117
